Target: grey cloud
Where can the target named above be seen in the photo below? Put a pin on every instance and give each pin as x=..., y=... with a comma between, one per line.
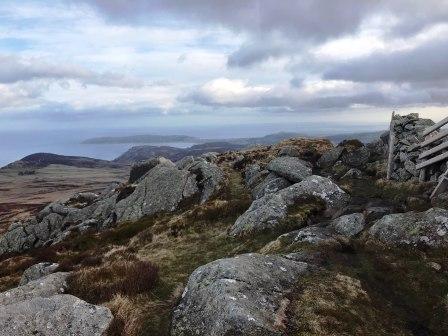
x=14, y=69
x=426, y=63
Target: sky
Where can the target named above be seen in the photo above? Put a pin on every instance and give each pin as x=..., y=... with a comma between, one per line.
x=159, y=63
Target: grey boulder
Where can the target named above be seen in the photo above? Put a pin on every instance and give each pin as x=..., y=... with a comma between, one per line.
x=37, y=271
x=54, y=316
x=162, y=189
x=271, y=184
x=330, y=157
x=268, y=212
x=244, y=295
x=427, y=229
x=47, y=286
x=291, y=168
x=349, y=225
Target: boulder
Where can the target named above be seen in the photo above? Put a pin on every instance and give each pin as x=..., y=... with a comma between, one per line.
x=271, y=184
x=330, y=157
x=244, y=295
x=353, y=173
x=427, y=229
x=209, y=177
x=311, y=235
x=289, y=151
x=37, y=271
x=47, y=286
x=372, y=213
x=356, y=157
x=348, y=225
x=54, y=316
x=268, y=212
x=139, y=169
x=163, y=188
x=291, y=168
x=185, y=163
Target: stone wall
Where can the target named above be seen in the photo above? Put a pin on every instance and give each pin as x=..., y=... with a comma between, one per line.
x=408, y=131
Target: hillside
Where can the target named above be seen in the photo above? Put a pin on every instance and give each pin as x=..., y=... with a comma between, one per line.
x=41, y=160
x=298, y=238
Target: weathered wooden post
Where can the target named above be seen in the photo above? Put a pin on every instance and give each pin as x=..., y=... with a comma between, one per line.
x=390, y=157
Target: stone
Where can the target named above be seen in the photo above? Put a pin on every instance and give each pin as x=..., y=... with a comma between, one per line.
x=411, y=168
x=185, y=163
x=330, y=157
x=210, y=157
x=291, y=168
x=209, y=177
x=353, y=173
x=237, y=296
x=163, y=188
x=348, y=225
x=356, y=158
x=139, y=169
x=427, y=229
x=268, y=212
x=54, y=316
x=372, y=213
x=271, y=184
x=289, y=151
x=38, y=271
x=311, y=235
x=47, y=286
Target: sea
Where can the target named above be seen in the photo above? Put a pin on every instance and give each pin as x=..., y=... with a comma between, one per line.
x=16, y=144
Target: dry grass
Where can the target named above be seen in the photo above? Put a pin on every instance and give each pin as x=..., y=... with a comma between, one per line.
x=100, y=284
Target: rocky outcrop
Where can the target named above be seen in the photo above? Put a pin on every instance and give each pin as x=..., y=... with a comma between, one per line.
x=159, y=186
x=38, y=271
x=162, y=189
x=244, y=295
x=139, y=169
x=268, y=212
x=291, y=168
x=427, y=229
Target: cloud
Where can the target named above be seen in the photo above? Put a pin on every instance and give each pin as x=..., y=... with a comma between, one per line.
x=425, y=63
x=227, y=92
x=14, y=69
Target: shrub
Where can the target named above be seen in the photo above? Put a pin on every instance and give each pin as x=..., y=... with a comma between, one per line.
x=101, y=284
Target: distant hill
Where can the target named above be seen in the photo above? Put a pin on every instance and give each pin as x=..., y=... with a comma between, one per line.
x=365, y=137
x=140, y=153
x=148, y=138
x=41, y=160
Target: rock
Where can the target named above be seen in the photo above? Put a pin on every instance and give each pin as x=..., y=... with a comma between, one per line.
x=440, y=201
x=47, y=286
x=330, y=157
x=162, y=189
x=291, y=168
x=339, y=169
x=139, y=169
x=313, y=235
x=37, y=271
x=410, y=168
x=210, y=157
x=185, y=163
x=243, y=295
x=372, y=213
x=289, y=151
x=250, y=172
x=353, y=173
x=54, y=316
x=428, y=229
x=209, y=177
x=268, y=212
x=257, y=179
x=270, y=185
x=356, y=157
x=348, y=225
x=85, y=198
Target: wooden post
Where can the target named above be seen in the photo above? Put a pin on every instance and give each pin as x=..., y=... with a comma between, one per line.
x=390, y=158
